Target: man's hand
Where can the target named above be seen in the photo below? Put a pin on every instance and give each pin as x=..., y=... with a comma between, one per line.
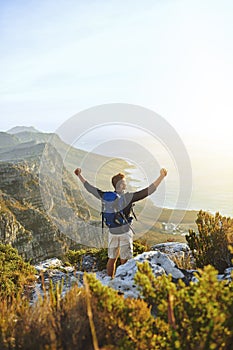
x=163, y=172
x=77, y=171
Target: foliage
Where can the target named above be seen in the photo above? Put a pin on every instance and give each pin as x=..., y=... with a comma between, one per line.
x=75, y=257
x=199, y=316
x=168, y=316
x=140, y=246
x=124, y=323
x=184, y=261
x=15, y=274
x=210, y=244
x=52, y=323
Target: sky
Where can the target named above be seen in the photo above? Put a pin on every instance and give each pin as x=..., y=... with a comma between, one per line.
x=172, y=56
x=175, y=57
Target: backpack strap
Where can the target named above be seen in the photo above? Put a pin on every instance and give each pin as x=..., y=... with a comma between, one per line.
x=102, y=216
x=133, y=212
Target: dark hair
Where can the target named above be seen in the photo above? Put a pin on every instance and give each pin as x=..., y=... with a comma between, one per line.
x=117, y=178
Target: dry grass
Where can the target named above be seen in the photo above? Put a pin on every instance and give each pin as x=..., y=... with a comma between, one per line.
x=185, y=261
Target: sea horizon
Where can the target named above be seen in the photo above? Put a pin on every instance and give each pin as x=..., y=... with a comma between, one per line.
x=208, y=193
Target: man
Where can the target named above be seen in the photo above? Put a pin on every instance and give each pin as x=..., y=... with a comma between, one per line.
x=121, y=237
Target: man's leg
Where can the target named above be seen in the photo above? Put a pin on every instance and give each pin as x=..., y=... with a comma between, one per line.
x=126, y=247
x=111, y=267
x=113, y=253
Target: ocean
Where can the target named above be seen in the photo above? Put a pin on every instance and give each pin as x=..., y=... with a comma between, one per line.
x=208, y=184
x=210, y=191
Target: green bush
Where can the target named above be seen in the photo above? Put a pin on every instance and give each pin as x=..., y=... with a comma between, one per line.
x=199, y=316
x=210, y=244
x=168, y=316
x=139, y=247
x=120, y=322
x=75, y=257
x=15, y=273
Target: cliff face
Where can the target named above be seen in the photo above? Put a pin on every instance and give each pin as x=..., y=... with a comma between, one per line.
x=28, y=230
x=42, y=212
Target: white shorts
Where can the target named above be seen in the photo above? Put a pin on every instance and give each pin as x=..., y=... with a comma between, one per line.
x=122, y=243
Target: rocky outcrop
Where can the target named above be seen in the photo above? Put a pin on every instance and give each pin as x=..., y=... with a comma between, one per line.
x=29, y=230
x=160, y=263
x=10, y=227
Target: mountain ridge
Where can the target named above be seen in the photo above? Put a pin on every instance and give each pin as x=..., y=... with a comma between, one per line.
x=17, y=129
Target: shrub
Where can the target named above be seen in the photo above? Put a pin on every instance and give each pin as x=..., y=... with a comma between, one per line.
x=199, y=316
x=120, y=322
x=15, y=273
x=210, y=244
x=75, y=257
x=169, y=316
x=139, y=247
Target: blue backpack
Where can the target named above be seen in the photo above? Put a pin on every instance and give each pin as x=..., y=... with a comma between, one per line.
x=112, y=210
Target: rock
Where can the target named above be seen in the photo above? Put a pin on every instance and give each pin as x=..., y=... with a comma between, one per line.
x=178, y=252
x=48, y=264
x=172, y=248
x=228, y=274
x=160, y=264
x=88, y=264
x=123, y=281
x=52, y=270
x=228, y=271
x=103, y=277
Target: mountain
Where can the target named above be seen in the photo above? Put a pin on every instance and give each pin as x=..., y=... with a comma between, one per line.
x=42, y=209
x=7, y=140
x=25, y=146
x=39, y=231
x=18, y=129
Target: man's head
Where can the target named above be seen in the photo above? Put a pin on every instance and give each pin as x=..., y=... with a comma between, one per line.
x=118, y=182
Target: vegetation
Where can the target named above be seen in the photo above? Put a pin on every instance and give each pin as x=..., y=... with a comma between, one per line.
x=198, y=316
x=75, y=257
x=15, y=274
x=211, y=244
x=167, y=316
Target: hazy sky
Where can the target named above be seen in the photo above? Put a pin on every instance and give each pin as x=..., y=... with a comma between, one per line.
x=172, y=56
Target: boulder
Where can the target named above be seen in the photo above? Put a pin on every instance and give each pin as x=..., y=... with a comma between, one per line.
x=160, y=264
x=173, y=248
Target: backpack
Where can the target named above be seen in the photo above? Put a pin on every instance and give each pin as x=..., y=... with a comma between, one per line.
x=112, y=211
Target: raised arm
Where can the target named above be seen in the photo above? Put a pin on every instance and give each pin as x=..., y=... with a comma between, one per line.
x=92, y=189
x=137, y=196
x=163, y=173
x=78, y=173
